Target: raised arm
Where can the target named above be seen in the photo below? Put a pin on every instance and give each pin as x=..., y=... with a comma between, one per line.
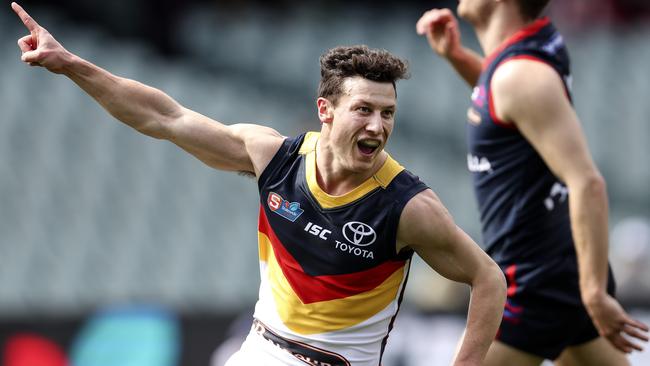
x=441, y=29
x=542, y=112
x=241, y=147
x=427, y=228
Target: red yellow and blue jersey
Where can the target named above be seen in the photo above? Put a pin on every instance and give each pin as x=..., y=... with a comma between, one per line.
x=330, y=274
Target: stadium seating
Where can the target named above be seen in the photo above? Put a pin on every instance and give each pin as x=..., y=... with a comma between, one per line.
x=92, y=213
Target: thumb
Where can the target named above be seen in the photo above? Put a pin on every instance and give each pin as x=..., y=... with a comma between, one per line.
x=31, y=56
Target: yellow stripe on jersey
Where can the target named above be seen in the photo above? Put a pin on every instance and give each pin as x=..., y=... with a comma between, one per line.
x=325, y=316
x=309, y=143
x=388, y=171
x=263, y=248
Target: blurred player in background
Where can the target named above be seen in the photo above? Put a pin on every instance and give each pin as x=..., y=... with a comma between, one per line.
x=339, y=219
x=542, y=200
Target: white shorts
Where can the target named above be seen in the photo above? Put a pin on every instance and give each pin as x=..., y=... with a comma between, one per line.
x=258, y=351
x=265, y=348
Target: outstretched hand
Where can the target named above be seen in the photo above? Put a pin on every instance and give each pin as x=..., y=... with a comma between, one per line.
x=39, y=48
x=615, y=325
x=441, y=29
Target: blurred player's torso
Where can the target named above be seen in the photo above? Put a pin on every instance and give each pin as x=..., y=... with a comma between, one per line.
x=523, y=206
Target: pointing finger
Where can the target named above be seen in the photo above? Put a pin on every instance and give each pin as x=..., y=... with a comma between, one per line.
x=29, y=22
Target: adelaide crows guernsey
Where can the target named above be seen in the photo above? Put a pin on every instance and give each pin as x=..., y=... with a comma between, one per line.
x=523, y=206
x=331, y=280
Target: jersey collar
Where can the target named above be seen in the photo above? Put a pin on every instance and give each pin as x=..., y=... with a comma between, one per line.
x=382, y=178
x=529, y=30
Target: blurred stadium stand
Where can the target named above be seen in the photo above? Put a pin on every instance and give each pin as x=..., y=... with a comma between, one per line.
x=91, y=213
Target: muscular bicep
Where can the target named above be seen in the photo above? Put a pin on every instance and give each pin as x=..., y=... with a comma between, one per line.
x=238, y=147
x=531, y=95
x=428, y=228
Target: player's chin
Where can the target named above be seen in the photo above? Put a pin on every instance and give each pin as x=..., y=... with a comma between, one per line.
x=461, y=10
x=364, y=161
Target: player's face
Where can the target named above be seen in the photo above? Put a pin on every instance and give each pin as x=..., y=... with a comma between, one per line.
x=362, y=121
x=475, y=11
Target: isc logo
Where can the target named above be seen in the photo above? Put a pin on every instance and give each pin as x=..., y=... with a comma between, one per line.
x=317, y=231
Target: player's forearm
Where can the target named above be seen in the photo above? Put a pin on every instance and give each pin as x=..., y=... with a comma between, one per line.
x=467, y=63
x=142, y=107
x=589, y=217
x=484, y=316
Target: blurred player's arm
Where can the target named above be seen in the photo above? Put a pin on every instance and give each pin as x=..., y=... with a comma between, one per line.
x=428, y=228
x=544, y=115
x=441, y=29
x=241, y=147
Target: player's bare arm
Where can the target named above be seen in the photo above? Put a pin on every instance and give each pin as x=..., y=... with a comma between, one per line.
x=241, y=147
x=427, y=228
x=440, y=26
x=545, y=116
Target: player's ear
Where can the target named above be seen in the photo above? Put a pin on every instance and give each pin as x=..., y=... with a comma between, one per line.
x=325, y=110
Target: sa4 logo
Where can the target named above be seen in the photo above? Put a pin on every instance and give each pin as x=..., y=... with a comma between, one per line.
x=289, y=210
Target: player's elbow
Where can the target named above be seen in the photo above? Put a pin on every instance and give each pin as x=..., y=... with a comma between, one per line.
x=492, y=279
x=161, y=125
x=591, y=185
x=153, y=129
x=499, y=280
x=596, y=184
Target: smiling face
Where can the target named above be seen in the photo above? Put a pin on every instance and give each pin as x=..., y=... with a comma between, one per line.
x=356, y=128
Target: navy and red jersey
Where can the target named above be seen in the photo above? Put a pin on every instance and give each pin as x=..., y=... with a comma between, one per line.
x=523, y=206
x=524, y=211
x=331, y=276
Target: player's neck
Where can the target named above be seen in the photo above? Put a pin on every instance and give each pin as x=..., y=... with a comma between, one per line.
x=334, y=178
x=501, y=26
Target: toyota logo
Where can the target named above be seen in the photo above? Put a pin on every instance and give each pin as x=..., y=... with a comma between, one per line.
x=359, y=233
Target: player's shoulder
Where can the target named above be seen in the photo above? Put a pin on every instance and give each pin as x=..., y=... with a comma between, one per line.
x=424, y=221
x=258, y=133
x=261, y=143
x=424, y=211
x=524, y=80
x=524, y=74
x=424, y=201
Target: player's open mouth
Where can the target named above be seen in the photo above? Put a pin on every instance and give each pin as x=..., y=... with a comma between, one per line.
x=368, y=146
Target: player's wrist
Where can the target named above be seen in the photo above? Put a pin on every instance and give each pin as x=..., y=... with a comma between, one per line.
x=69, y=63
x=58, y=62
x=593, y=295
x=454, y=53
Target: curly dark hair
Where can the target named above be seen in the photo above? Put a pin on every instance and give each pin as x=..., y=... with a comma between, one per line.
x=532, y=9
x=340, y=63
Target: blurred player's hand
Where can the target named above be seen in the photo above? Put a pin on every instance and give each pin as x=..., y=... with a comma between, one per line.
x=441, y=29
x=615, y=325
x=39, y=48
